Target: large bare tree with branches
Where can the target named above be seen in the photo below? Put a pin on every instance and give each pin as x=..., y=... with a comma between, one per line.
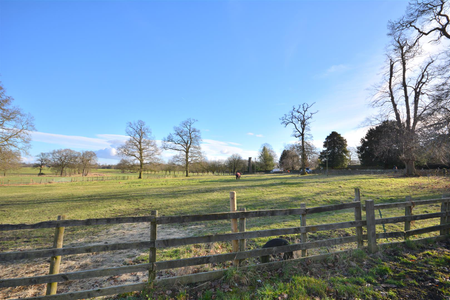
x=186, y=140
x=428, y=21
x=62, y=160
x=235, y=163
x=426, y=18
x=406, y=93
x=300, y=118
x=140, y=146
x=15, y=125
x=416, y=92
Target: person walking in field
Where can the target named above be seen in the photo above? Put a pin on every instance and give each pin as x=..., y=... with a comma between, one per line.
x=238, y=175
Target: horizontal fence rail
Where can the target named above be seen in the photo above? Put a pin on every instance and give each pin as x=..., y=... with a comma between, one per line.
x=164, y=265
x=166, y=243
x=408, y=203
x=239, y=233
x=179, y=219
x=71, y=223
x=33, y=179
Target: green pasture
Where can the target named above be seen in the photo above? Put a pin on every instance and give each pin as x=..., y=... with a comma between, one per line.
x=29, y=171
x=28, y=175
x=206, y=194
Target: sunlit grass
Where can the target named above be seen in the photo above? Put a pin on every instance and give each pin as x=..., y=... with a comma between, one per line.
x=210, y=194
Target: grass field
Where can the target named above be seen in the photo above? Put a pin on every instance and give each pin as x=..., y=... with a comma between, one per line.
x=28, y=175
x=210, y=194
x=202, y=194
x=414, y=270
x=205, y=194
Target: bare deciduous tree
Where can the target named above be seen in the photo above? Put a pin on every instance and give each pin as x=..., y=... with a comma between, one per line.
x=312, y=153
x=407, y=93
x=426, y=18
x=140, y=146
x=300, y=118
x=429, y=21
x=87, y=161
x=63, y=159
x=15, y=125
x=186, y=140
x=42, y=160
x=9, y=160
x=235, y=163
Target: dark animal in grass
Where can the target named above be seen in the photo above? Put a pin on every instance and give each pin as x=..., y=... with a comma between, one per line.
x=276, y=243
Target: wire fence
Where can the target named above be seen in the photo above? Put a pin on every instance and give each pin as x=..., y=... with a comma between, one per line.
x=28, y=179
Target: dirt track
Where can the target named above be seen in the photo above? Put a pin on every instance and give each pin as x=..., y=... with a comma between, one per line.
x=72, y=263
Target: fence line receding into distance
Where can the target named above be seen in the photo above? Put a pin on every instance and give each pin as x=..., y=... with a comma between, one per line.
x=238, y=238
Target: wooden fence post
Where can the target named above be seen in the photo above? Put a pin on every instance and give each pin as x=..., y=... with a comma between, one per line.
x=55, y=261
x=445, y=207
x=358, y=217
x=152, y=254
x=408, y=210
x=371, y=229
x=303, y=223
x=242, y=228
x=234, y=225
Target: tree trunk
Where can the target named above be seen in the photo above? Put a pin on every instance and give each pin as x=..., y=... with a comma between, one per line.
x=410, y=168
x=303, y=156
x=187, y=164
x=409, y=154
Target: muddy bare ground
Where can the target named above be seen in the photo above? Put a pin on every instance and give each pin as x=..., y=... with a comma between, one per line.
x=72, y=263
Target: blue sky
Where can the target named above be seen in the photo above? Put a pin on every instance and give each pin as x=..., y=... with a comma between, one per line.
x=84, y=69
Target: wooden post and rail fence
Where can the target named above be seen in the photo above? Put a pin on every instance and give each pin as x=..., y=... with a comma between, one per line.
x=238, y=239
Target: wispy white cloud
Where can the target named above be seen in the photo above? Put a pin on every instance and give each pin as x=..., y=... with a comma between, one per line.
x=113, y=136
x=70, y=141
x=105, y=145
x=335, y=69
x=253, y=134
x=115, y=140
x=221, y=150
x=235, y=144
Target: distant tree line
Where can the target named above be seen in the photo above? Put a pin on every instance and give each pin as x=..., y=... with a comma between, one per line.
x=234, y=163
x=67, y=162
